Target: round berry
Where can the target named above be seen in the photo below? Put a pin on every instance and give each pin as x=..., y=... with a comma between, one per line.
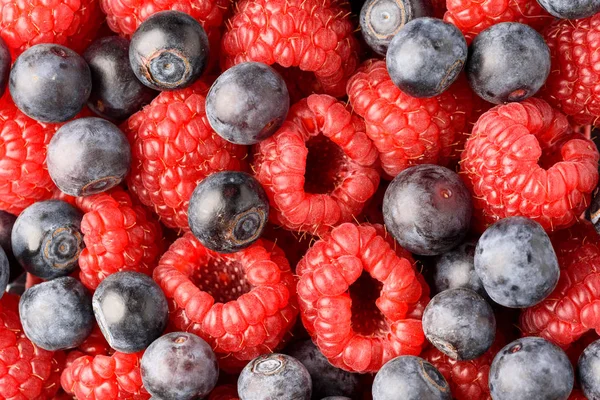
x=7, y=221
x=336, y=398
x=4, y=272
x=247, y=103
x=179, y=366
x=228, y=211
x=410, y=378
x=508, y=62
x=169, y=51
x=456, y=268
x=57, y=314
x=274, y=376
x=587, y=370
x=88, y=156
x=131, y=311
x=516, y=262
x=426, y=56
x=427, y=209
x=531, y=368
x=571, y=9
x=47, y=240
x=5, y=61
x=50, y=83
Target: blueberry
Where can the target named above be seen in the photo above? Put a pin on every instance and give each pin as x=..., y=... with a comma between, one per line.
x=508, y=62
x=179, y=366
x=381, y=20
x=336, y=398
x=516, y=262
x=592, y=214
x=7, y=221
x=410, y=378
x=571, y=9
x=4, y=272
x=587, y=370
x=169, y=51
x=57, y=314
x=228, y=211
x=456, y=268
x=98, y=156
x=531, y=368
x=274, y=376
x=426, y=56
x=327, y=380
x=46, y=239
x=5, y=62
x=50, y=83
x=427, y=208
x=131, y=311
x=116, y=92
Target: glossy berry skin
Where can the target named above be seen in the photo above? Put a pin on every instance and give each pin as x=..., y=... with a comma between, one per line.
x=440, y=206
x=47, y=240
x=228, y=211
x=179, y=366
x=116, y=92
x=131, y=311
x=50, y=83
x=7, y=221
x=5, y=62
x=247, y=103
x=438, y=52
x=4, y=272
x=57, y=314
x=456, y=268
x=571, y=9
x=410, y=378
x=381, y=20
x=530, y=368
x=587, y=368
x=508, y=62
x=169, y=51
x=274, y=376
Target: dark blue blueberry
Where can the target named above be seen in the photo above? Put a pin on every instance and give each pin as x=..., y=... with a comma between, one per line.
x=4, y=272
x=7, y=221
x=46, y=239
x=592, y=214
x=228, y=211
x=381, y=20
x=327, y=380
x=516, y=262
x=57, y=314
x=426, y=56
x=116, y=92
x=571, y=9
x=50, y=83
x=427, y=208
x=508, y=62
x=5, y=62
x=247, y=103
x=410, y=378
x=169, y=51
x=131, y=311
x=179, y=366
x=88, y=156
x=587, y=370
x=274, y=376
x=531, y=368
x=336, y=398
x=456, y=268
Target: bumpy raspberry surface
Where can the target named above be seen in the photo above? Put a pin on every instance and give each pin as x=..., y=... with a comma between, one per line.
x=407, y=130
x=243, y=304
x=224, y=392
x=319, y=167
x=174, y=148
x=524, y=159
x=359, y=299
x=314, y=35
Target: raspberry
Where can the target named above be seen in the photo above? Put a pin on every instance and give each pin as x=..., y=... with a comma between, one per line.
x=360, y=300
x=224, y=392
x=406, y=130
x=314, y=35
x=173, y=148
x=577, y=394
x=524, y=159
x=439, y=8
x=95, y=344
x=241, y=303
x=318, y=168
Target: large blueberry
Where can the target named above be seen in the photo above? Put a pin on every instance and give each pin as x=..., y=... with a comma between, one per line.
x=587, y=370
x=7, y=221
x=4, y=272
x=571, y=9
x=5, y=62
x=456, y=268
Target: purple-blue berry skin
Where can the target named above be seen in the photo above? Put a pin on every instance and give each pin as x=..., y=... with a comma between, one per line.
x=179, y=366
x=571, y=9
x=274, y=376
x=4, y=272
x=247, y=103
x=516, y=262
x=336, y=398
x=587, y=370
x=456, y=269
x=426, y=56
x=131, y=311
x=7, y=221
x=410, y=378
x=531, y=368
x=57, y=314
x=5, y=61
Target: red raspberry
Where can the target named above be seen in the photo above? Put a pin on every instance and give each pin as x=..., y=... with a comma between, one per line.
x=360, y=300
x=174, y=148
x=314, y=35
x=224, y=392
x=439, y=8
x=318, y=169
x=524, y=159
x=95, y=344
x=242, y=303
x=407, y=130
x=577, y=394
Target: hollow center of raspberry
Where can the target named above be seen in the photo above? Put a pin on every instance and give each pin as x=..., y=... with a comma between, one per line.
x=325, y=165
x=223, y=279
x=367, y=320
